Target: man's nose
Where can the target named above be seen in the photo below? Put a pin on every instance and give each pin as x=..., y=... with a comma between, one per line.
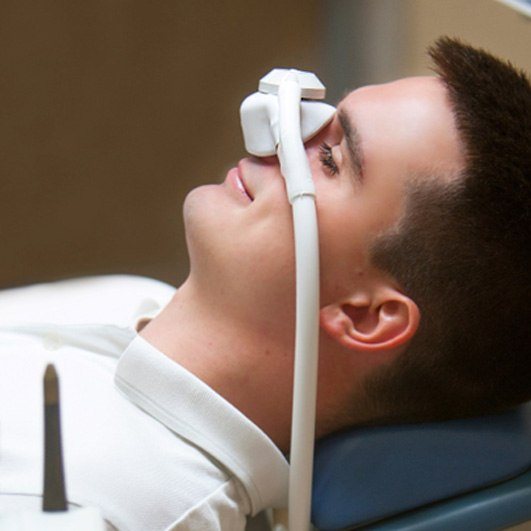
x=269, y=161
x=273, y=159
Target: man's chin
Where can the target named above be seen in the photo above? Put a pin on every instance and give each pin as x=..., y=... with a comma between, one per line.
x=197, y=197
x=198, y=203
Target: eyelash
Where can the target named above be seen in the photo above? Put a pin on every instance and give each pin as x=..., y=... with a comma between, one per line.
x=326, y=158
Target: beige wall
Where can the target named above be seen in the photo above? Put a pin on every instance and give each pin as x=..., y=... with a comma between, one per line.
x=484, y=23
x=112, y=110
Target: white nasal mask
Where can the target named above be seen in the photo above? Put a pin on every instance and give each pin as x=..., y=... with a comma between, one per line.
x=259, y=112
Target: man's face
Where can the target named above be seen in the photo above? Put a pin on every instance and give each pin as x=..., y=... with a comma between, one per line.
x=241, y=243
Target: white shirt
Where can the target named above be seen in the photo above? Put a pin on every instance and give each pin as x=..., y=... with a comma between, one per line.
x=143, y=439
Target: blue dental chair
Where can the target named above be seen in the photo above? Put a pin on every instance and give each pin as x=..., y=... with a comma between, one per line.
x=470, y=474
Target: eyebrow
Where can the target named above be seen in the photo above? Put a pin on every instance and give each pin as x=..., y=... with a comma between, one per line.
x=353, y=143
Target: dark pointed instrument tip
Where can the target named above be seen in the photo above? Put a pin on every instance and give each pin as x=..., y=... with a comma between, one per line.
x=51, y=385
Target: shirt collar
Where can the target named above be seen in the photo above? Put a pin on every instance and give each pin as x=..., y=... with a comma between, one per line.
x=194, y=411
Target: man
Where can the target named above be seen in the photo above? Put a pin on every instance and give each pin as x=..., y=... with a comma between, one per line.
x=423, y=200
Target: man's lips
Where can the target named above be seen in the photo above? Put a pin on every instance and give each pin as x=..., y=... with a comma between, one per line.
x=235, y=180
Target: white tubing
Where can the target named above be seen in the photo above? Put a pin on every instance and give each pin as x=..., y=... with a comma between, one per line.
x=306, y=358
x=293, y=161
x=296, y=170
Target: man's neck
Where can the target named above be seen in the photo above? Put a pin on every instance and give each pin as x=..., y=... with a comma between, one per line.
x=250, y=370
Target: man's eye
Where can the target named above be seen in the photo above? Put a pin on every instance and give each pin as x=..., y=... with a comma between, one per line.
x=326, y=158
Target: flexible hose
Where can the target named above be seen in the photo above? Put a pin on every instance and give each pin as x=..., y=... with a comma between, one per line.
x=296, y=170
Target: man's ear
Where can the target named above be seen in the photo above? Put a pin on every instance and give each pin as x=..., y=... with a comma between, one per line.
x=381, y=320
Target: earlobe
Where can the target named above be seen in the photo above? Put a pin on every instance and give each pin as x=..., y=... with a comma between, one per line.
x=386, y=321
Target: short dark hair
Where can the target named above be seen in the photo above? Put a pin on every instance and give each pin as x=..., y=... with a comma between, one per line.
x=462, y=250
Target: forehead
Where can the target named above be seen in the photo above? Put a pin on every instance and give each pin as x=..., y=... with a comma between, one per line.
x=410, y=122
x=412, y=87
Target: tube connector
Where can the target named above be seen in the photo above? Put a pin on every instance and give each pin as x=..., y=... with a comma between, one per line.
x=310, y=84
